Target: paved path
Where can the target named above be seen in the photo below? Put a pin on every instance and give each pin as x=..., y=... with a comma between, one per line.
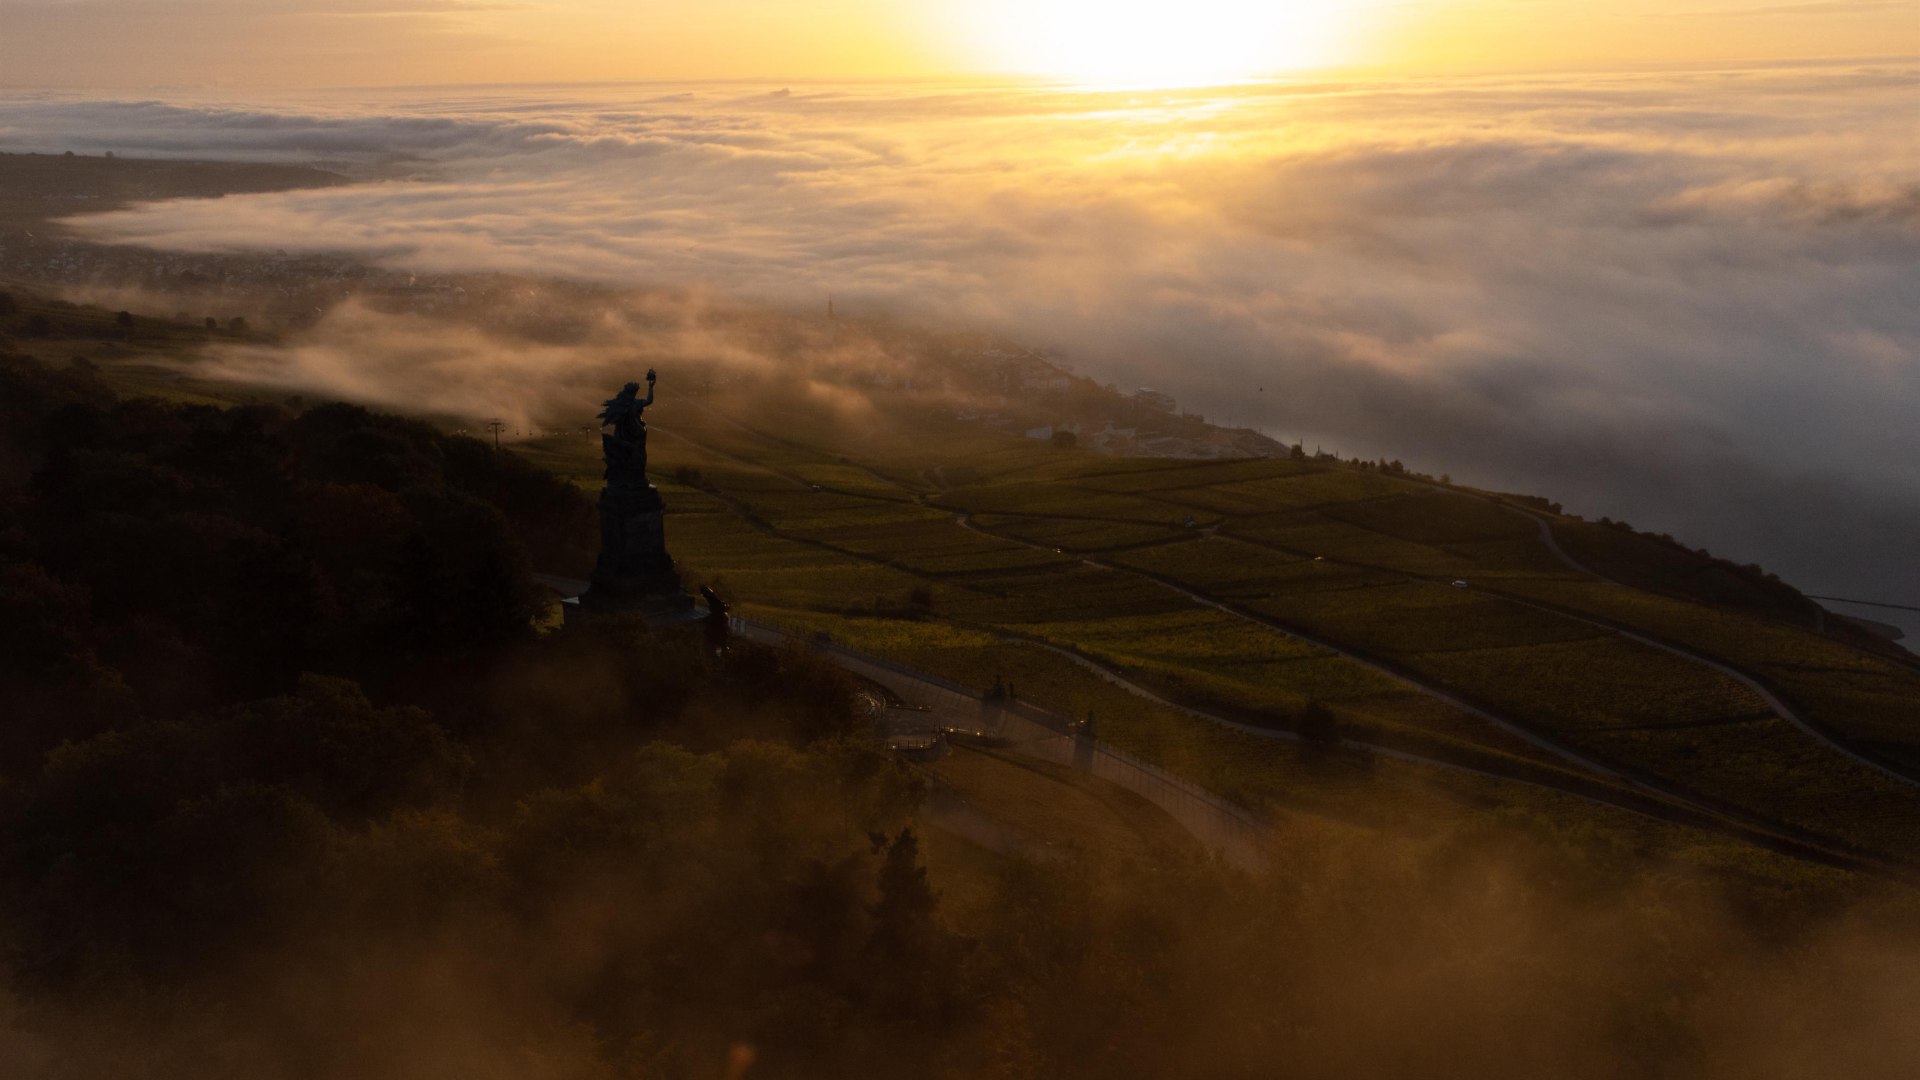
x=1237, y=834
x=1227, y=828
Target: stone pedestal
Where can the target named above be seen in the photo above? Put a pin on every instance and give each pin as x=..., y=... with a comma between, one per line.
x=635, y=573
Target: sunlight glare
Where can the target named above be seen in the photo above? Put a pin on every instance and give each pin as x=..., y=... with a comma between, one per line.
x=1158, y=43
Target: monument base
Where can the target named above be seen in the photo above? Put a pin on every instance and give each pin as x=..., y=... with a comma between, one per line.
x=635, y=575
x=676, y=610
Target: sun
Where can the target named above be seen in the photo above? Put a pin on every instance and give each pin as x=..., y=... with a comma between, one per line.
x=1141, y=43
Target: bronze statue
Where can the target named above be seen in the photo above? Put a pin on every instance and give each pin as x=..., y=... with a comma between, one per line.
x=626, y=448
x=626, y=406
x=634, y=572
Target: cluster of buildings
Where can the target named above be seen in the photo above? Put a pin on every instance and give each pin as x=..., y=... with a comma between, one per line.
x=1032, y=393
x=273, y=288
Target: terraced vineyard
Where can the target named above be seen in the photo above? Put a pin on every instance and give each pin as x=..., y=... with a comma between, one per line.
x=1436, y=623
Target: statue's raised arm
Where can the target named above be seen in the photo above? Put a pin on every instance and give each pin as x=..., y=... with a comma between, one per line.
x=626, y=408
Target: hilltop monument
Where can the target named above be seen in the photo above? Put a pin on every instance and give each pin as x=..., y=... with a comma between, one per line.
x=634, y=573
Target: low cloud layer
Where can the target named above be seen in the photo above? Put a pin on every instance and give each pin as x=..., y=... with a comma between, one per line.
x=1683, y=300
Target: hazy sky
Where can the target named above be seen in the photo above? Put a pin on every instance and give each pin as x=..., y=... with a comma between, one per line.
x=123, y=44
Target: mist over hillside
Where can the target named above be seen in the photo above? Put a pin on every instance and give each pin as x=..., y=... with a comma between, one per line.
x=1680, y=299
x=959, y=539
x=297, y=782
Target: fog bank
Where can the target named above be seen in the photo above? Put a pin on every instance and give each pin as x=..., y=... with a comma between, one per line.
x=1683, y=300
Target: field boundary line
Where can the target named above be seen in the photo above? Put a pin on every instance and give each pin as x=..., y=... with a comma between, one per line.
x=1774, y=698
x=1631, y=777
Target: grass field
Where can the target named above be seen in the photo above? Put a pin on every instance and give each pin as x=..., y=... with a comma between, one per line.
x=1348, y=556
x=1858, y=694
x=1078, y=536
x=1291, y=782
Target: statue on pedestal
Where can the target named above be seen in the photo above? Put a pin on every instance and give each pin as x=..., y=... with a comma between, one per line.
x=634, y=572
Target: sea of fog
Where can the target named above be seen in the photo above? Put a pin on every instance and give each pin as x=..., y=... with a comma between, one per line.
x=1688, y=300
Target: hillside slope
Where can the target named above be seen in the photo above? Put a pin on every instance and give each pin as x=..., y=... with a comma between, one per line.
x=1274, y=590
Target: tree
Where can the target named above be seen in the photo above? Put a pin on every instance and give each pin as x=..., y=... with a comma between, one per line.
x=905, y=953
x=7, y=304
x=1065, y=440
x=124, y=320
x=213, y=323
x=329, y=744
x=907, y=899
x=39, y=326
x=237, y=324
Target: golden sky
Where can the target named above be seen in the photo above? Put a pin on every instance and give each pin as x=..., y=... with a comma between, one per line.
x=241, y=43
